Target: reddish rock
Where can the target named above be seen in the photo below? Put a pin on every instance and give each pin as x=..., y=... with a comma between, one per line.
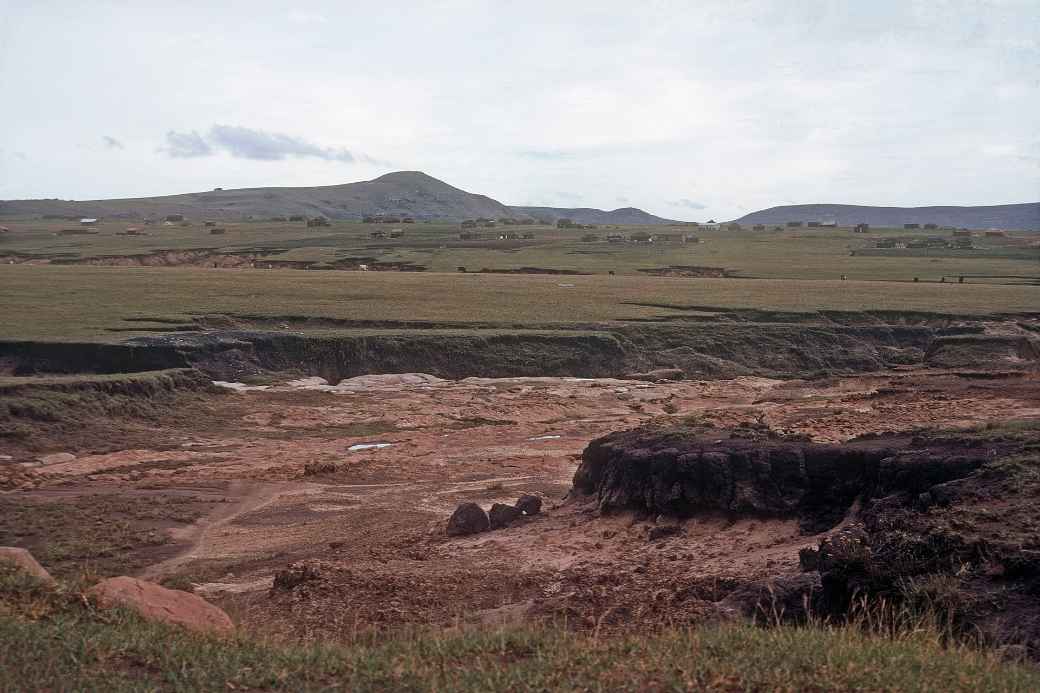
x=23, y=560
x=156, y=603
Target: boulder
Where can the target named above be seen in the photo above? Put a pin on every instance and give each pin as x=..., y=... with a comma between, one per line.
x=156, y=603
x=468, y=518
x=503, y=515
x=529, y=505
x=24, y=561
x=783, y=598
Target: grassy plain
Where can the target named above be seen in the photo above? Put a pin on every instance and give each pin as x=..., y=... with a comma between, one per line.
x=108, y=303
x=788, y=254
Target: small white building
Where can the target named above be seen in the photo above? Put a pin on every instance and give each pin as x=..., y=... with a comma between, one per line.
x=87, y=221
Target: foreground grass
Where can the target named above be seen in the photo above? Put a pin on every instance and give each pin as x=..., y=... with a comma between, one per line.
x=74, y=303
x=56, y=641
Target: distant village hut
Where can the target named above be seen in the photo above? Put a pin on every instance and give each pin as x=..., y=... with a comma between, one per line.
x=217, y=231
x=318, y=221
x=87, y=221
x=615, y=238
x=931, y=227
x=174, y=217
x=909, y=227
x=758, y=227
x=209, y=224
x=793, y=224
x=963, y=243
x=297, y=217
x=961, y=233
x=995, y=233
x=641, y=237
x=861, y=228
x=813, y=224
x=589, y=238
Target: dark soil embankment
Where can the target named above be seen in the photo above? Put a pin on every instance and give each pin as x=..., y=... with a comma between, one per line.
x=947, y=523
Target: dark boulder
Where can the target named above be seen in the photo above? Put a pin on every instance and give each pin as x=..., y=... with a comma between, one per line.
x=503, y=515
x=529, y=505
x=468, y=518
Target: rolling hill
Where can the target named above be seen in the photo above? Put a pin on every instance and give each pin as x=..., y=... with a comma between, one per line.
x=1016, y=216
x=405, y=193
x=587, y=215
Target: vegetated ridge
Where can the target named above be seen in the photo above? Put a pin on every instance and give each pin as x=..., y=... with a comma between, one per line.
x=403, y=193
x=1016, y=216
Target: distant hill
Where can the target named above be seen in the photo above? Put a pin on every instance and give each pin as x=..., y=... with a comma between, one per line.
x=404, y=193
x=587, y=215
x=1018, y=216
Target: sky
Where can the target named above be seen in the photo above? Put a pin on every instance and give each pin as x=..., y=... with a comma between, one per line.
x=690, y=110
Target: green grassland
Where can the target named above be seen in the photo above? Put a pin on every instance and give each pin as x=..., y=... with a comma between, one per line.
x=788, y=254
x=55, y=640
x=108, y=303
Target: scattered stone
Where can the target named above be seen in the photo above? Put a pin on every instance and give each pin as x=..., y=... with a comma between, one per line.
x=661, y=531
x=24, y=561
x=56, y=458
x=156, y=603
x=296, y=574
x=503, y=515
x=529, y=504
x=468, y=518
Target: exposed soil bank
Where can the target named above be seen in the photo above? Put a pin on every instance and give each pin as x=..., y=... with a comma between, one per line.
x=938, y=522
x=36, y=413
x=229, y=348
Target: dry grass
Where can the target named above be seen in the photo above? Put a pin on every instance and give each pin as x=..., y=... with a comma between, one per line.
x=76, y=303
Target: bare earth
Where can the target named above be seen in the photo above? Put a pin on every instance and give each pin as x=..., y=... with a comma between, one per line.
x=289, y=488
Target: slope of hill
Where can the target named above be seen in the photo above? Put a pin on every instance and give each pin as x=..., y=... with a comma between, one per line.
x=409, y=193
x=1016, y=216
x=587, y=215
x=406, y=193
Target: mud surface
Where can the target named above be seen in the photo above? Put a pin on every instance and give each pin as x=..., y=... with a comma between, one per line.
x=357, y=479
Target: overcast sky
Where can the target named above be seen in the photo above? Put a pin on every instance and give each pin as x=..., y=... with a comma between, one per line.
x=687, y=109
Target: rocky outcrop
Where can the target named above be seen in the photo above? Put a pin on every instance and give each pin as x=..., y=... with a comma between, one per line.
x=156, y=603
x=674, y=472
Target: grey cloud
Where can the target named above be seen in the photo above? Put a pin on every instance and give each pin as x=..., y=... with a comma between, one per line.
x=186, y=145
x=247, y=143
x=688, y=204
x=112, y=142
